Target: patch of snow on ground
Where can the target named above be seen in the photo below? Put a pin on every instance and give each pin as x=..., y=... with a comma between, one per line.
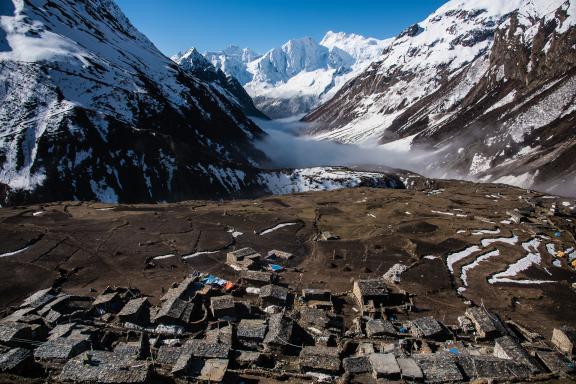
x=457, y=256
x=7, y=254
x=479, y=232
x=551, y=249
x=269, y=230
x=508, y=240
x=443, y=213
x=475, y=263
x=533, y=257
x=198, y=254
x=164, y=257
x=235, y=233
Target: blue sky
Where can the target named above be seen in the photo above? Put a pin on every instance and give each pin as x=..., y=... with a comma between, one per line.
x=175, y=25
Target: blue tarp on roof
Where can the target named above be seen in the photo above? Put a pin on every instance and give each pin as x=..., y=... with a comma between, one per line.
x=454, y=351
x=213, y=280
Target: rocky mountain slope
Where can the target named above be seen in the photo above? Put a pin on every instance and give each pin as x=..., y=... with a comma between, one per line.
x=197, y=65
x=296, y=77
x=488, y=86
x=90, y=109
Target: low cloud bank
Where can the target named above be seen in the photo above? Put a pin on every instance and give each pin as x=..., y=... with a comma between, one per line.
x=286, y=149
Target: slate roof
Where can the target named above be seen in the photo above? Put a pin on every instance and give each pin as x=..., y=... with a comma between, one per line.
x=61, y=330
x=206, y=349
x=174, y=308
x=507, y=348
x=426, y=327
x=492, y=367
x=61, y=349
x=252, y=329
x=316, y=294
x=11, y=331
x=379, y=327
x=556, y=362
x=105, y=298
x=274, y=291
x=168, y=355
x=133, y=306
x=256, y=276
x=244, y=252
x=105, y=367
x=39, y=298
x=438, y=368
x=373, y=287
x=320, y=359
x=14, y=359
x=314, y=316
x=221, y=302
x=484, y=325
x=384, y=365
x=279, y=330
x=358, y=364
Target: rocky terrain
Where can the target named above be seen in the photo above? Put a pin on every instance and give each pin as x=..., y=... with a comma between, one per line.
x=436, y=242
x=488, y=87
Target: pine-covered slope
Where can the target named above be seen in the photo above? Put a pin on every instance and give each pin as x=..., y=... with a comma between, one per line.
x=489, y=85
x=194, y=63
x=90, y=109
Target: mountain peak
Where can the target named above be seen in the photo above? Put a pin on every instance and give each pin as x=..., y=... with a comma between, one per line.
x=361, y=48
x=192, y=59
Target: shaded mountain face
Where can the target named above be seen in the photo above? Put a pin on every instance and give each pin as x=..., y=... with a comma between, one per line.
x=194, y=63
x=489, y=86
x=90, y=109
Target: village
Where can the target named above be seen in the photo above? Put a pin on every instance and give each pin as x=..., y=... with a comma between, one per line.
x=260, y=329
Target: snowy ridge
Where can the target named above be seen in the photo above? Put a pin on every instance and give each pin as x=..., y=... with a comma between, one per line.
x=233, y=62
x=302, y=73
x=480, y=75
x=194, y=63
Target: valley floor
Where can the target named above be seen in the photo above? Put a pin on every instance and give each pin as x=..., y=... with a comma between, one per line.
x=460, y=241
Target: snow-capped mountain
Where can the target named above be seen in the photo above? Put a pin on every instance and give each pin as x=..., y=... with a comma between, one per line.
x=233, y=61
x=489, y=85
x=197, y=65
x=90, y=109
x=294, y=78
